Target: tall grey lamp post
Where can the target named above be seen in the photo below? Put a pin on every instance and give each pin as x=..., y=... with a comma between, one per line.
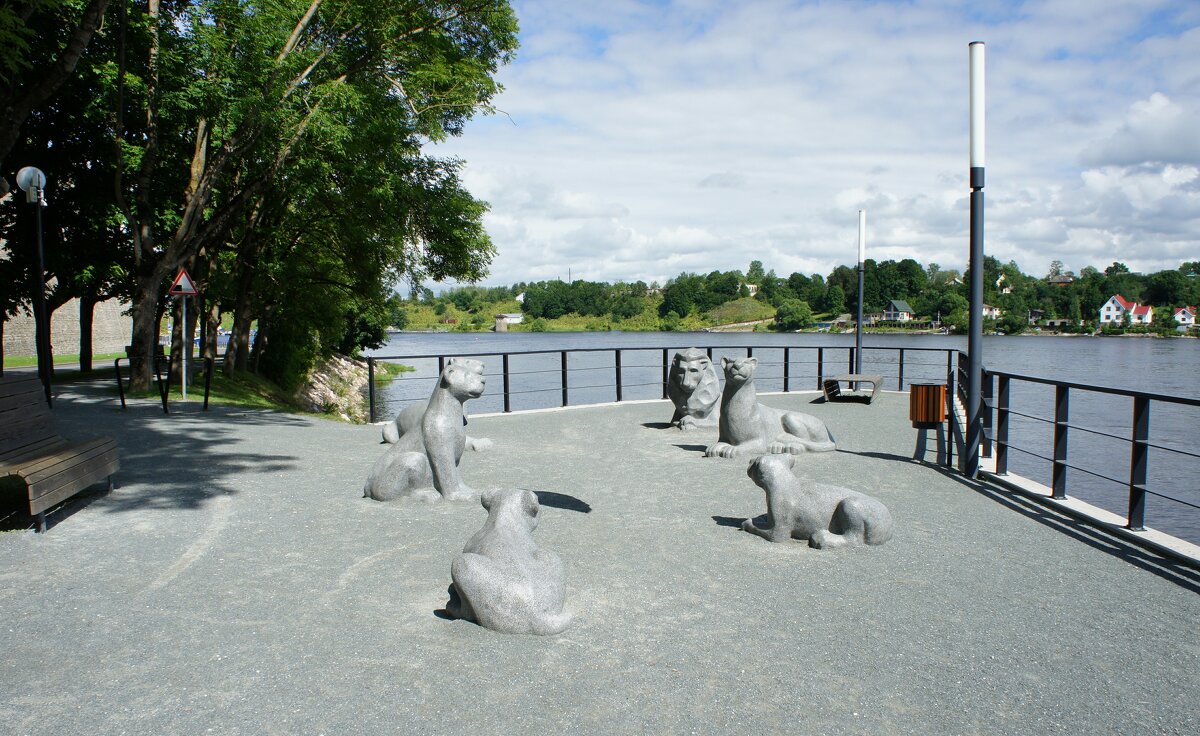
x=33, y=182
x=975, y=330
x=862, y=254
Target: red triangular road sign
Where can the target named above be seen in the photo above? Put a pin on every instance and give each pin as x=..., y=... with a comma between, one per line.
x=182, y=285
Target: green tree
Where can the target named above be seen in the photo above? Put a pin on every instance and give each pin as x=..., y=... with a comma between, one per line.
x=835, y=300
x=755, y=273
x=793, y=314
x=231, y=97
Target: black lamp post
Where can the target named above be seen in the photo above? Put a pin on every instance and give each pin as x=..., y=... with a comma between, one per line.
x=975, y=330
x=33, y=182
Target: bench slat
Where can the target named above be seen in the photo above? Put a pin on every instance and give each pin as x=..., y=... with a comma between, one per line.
x=38, y=470
x=57, y=496
x=13, y=459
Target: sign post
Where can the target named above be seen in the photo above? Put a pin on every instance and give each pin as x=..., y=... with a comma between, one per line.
x=183, y=287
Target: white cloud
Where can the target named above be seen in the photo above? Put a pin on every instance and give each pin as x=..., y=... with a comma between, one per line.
x=650, y=138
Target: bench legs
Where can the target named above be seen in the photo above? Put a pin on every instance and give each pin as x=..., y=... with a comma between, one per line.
x=41, y=522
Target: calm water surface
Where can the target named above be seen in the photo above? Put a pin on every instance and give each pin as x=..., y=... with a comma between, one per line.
x=1100, y=449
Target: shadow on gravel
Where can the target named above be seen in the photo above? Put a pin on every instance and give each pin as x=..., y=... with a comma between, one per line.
x=734, y=522
x=1178, y=573
x=693, y=448
x=657, y=425
x=179, y=460
x=562, y=501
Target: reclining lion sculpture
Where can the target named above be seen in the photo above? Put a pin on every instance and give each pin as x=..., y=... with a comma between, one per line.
x=750, y=428
x=800, y=508
x=695, y=388
x=502, y=580
x=424, y=464
x=409, y=419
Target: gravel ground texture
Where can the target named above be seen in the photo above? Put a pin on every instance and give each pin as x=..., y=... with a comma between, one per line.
x=236, y=582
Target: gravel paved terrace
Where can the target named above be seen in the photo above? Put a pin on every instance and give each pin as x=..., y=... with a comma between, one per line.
x=237, y=583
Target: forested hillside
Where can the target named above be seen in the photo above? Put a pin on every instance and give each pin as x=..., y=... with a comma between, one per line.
x=693, y=301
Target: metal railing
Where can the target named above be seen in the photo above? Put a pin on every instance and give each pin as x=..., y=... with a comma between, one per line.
x=814, y=364
x=1060, y=427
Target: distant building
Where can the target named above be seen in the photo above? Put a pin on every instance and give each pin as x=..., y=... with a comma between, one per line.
x=1035, y=316
x=1114, y=310
x=1063, y=280
x=1185, y=317
x=898, y=311
x=990, y=312
x=1003, y=287
x=504, y=320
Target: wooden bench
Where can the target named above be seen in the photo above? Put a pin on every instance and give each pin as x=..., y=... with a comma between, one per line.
x=832, y=387
x=34, y=457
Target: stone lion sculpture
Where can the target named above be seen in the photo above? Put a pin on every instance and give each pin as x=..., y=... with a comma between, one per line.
x=424, y=464
x=800, y=508
x=695, y=388
x=750, y=428
x=409, y=419
x=502, y=580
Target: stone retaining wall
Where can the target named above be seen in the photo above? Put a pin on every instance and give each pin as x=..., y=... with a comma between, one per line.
x=111, y=330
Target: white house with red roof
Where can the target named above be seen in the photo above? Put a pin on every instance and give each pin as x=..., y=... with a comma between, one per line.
x=1185, y=317
x=1114, y=310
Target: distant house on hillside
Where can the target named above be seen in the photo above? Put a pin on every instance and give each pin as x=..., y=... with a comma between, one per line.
x=1185, y=317
x=1114, y=310
x=898, y=311
x=990, y=312
x=1001, y=286
x=1063, y=280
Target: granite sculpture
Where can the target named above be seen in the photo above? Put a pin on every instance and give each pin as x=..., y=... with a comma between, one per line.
x=502, y=580
x=750, y=428
x=424, y=464
x=409, y=419
x=694, y=386
x=827, y=516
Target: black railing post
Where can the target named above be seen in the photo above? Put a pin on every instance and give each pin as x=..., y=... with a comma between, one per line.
x=370, y=387
x=1138, y=462
x=617, y=368
x=208, y=373
x=120, y=386
x=850, y=355
x=749, y=352
x=951, y=406
x=1062, y=405
x=666, y=376
x=709, y=351
x=563, y=374
x=787, y=364
x=820, y=366
x=900, y=380
x=986, y=386
x=441, y=364
x=507, y=396
x=1002, y=400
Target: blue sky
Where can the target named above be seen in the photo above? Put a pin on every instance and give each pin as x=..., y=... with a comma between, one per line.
x=642, y=139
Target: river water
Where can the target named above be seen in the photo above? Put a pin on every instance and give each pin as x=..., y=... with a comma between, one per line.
x=1099, y=449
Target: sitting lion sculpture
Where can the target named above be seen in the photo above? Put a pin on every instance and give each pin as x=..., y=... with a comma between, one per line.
x=800, y=508
x=409, y=419
x=750, y=428
x=424, y=464
x=695, y=388
x=502, y=580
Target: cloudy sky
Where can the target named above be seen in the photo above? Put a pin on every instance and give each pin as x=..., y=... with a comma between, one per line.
x=642, y=139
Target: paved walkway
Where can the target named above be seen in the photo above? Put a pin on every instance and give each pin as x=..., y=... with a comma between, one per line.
x=237, y=583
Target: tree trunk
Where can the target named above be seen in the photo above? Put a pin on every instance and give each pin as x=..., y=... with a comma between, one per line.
x=237, y=351
x=144, y=341
x=2, y=321
x=87, y=311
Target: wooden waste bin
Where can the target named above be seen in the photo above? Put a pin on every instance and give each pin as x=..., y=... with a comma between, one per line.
x=926, y=404
x=927, y=410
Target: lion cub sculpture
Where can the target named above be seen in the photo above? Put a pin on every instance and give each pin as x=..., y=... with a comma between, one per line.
x=502, y=580
x=695, y=388
x=800, y=508
x=750, y=428
x=424, y=464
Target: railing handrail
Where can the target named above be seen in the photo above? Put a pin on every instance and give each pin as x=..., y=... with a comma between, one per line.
x=1132, y=393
